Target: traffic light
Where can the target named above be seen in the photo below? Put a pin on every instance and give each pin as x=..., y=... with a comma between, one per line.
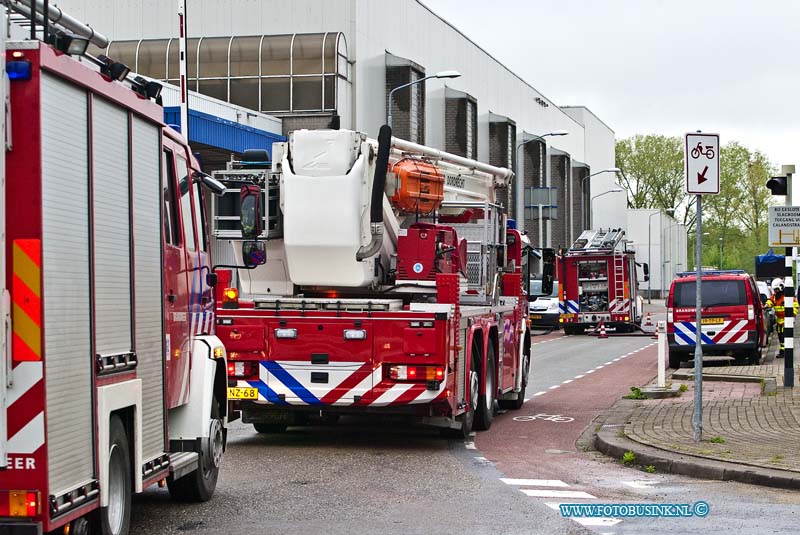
x=777, y=185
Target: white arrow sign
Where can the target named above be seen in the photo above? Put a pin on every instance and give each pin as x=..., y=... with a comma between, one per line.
x=702, y=164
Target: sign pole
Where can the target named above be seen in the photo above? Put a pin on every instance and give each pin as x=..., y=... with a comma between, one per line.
x=697, y=419
x=789, y=297
x=184, y=68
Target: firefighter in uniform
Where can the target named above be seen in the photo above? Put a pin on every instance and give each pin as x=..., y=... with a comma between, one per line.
x=776, y=302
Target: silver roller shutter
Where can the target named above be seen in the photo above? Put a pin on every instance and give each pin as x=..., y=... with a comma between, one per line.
x=65, y=265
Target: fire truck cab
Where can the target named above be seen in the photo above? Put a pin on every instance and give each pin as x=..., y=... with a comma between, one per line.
x=598, y=282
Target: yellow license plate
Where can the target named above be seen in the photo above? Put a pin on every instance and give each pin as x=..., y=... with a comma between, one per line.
x=536, y=316
x=235, y=392
x=711, y=321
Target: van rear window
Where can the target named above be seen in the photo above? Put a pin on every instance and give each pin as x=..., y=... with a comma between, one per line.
x=715, y=293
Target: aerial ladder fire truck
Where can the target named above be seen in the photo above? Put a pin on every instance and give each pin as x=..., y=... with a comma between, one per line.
x=598, y=283
x=111, y=377
x=385, y=279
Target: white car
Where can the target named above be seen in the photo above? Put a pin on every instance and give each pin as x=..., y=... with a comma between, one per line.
x=544, y=312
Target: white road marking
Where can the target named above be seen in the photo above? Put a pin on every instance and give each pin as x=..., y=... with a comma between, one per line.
x=616, y=359
x=579, y=376
x=556, y=386
x=602, y=366
x=470, y=445
x=570, y=380
x=609, y=362
x=547, y=493
x=534, y=482
x=526, y=400
x=543, y=392
x=589, y=371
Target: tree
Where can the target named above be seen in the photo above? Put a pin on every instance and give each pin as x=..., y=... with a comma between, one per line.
x=652, y=171
x=736, y=219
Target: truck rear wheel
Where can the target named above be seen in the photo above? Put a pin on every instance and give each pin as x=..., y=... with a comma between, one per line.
x=486, y=402
x=199, y=486
x=115, y=518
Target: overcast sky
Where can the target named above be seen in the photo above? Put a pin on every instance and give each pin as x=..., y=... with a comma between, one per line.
x=655, y=66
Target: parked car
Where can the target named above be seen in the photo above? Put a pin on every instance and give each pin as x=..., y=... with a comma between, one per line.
x=734, y=320
x=765, y=293
x=544, y=312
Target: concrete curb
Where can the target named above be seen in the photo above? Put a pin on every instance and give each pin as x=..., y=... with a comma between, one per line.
x=608, y=441
x=687, y=376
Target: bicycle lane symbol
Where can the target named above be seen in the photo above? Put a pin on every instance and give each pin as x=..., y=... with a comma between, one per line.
x=546, y=417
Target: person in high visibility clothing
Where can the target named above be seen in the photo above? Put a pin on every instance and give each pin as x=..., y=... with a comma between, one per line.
x=776, y=301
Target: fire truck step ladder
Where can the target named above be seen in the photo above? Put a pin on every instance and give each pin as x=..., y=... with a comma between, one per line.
x=619, y=276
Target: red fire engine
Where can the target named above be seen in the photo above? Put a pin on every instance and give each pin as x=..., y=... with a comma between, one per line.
x=598, y=282
x=392, y=284
x=111, y=378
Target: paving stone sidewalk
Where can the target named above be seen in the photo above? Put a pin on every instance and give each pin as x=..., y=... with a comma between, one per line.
x=746, y=427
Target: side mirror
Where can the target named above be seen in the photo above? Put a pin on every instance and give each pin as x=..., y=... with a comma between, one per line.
x=548, y=270
x=212, y=184
x=254, y=253
x=646, y=270
x=250, y=197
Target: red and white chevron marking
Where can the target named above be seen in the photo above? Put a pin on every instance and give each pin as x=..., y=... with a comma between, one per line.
x=728, y=332
x=25, y=414
x=620, y=306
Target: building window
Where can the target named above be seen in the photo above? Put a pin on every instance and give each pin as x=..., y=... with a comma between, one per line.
x=461, y=123
x=408, y=105
x=273, y=74
x=502, y=136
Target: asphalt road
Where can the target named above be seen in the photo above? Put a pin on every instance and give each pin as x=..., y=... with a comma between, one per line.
x=372, y=476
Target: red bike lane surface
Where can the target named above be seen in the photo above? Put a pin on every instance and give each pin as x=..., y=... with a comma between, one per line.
x=545, y=449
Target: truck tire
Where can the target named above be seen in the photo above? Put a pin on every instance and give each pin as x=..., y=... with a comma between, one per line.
x=674, y=360
x=486, y=402
x=468, y=418
x=198, y=486
x=115, y=519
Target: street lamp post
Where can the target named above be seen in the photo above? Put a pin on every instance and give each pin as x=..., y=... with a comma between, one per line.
x=519, y=186
x=720, y=252
x=591, y=201
x=583, y=192
x=442, y=74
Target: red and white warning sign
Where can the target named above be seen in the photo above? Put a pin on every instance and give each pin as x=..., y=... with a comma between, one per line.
x=702, y=164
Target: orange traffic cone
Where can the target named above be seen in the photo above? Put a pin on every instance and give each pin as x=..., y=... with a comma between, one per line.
x=648, y=321
x=603, y=330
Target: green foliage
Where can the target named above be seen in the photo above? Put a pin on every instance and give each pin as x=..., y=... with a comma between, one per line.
x=684, y=387
x=636, y=393
x=650, y=469
x=628, y=457
x=718, y=440
x=735, y=220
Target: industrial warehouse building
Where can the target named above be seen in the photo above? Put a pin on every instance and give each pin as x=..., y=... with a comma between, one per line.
x=322, y=64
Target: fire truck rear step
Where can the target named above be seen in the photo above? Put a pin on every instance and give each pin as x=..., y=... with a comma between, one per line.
x=183, y=463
